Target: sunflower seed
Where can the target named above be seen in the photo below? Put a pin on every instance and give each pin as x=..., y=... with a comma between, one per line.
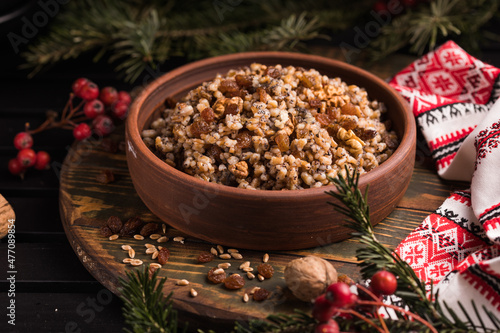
x=182, y=282
x=164, y=228
x=136, y=262
x=265, y=258
x=220, y=249
x=247, y=269
x=245, y=264
x=225, y=256
x=236, y=255
x=232, y=250
x=193, y=292
x=162, y=239
x=245, y=298
x=113, y=237
x=253, y=290
x=155, y=265
x=250, y=276
x=149, y=245
x=155, y=255
x=126, y=247
x=154, y=236
x=260, y=277
x=131, y=253
x=214, y=251
x=179, y=239
x=127, y=260
x=151, y=250
x=139, y=237
x=224, y=265
x=218, y=271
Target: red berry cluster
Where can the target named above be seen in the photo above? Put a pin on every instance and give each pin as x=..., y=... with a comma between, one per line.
x=27, y=157
x=96, y=112
x=339, y=300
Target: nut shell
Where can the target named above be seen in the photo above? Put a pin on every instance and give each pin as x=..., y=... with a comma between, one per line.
x=308, y=277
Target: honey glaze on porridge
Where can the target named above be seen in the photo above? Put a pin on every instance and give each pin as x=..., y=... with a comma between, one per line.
x=272, y=128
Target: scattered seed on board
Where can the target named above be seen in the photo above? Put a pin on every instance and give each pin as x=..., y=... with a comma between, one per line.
x=136, y=262
x=260, y=277
x=149, y=245
x=154, y=236
x=182, y=282
x=193, y=293
x=224, y=265
x=160, y=247
x=245, y=298
x=164, y=228
x=179, y=239
x=225, y=256
x=155, y=265
x=245, y=264
x=218, y=271
x=232, y=251
x=214, y=251
x=131, y=253
x=250, y=276
x=127, y=260
x=139, y=237
x=155, y=255
x=113, y=237
x=253, y=290
x=162, y=239
x=265, y=258
x=126, y=247
x=236, y=255
x=151, y=250
x=247, y=269
x=220, y=249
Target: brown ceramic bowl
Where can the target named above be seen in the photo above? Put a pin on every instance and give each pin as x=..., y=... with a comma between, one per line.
x=260, y=220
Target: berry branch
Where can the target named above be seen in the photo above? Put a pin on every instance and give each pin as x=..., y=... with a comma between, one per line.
x=88, y=111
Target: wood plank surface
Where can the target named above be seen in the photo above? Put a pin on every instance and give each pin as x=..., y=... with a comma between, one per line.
x=86, y=204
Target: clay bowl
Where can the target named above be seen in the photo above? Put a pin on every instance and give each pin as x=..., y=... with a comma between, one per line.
x=260, y=220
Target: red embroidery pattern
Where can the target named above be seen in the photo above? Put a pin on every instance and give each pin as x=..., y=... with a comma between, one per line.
x=484, y=284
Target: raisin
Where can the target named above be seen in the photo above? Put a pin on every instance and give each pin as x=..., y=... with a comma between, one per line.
x=115, y=224
x=208, y=115
x=229, y=86
x=299, y=154
x=261, y=294
x=365, y=134
x=216, y=278
x=163, y=256
x=105, y=231
x=391, y=144
x=149, y=229
x=105, y=177
x=323, y=119
x=273, y=72
x=266, y=270
x=214, y=152
x=307, y=81
x=132, y=226
x=283, y=141
x=244, y=140
x=205, y=257
x=333, y=113
x=333, y=129
x=315, y=103
x=234, y=281
x=348, y=124
x=231, y=109
x=349, y=109
x=199, y=127
x=262, y=94
x=244, y=81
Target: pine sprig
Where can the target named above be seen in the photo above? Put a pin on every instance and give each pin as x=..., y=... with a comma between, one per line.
x=146, y=309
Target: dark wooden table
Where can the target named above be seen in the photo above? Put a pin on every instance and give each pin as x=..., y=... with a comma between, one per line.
x=53, y=290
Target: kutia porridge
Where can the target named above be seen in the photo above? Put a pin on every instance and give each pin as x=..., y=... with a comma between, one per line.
x=272, y=128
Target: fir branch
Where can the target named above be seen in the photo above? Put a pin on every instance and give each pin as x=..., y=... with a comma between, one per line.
x=146, y=309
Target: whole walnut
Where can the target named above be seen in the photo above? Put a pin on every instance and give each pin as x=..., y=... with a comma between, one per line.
x=308, y=277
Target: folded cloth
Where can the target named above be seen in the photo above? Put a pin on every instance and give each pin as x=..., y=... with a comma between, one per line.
x=455, y=99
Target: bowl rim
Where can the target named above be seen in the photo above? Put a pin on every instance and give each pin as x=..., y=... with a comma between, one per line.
x=133, y=133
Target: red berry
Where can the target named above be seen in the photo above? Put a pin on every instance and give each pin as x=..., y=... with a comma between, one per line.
x=15, y=167
x=42, y=160
x=384, y=283
x=120, y=109
x=409, y=3
x=89, y=91
x=82, y=131
x=330, y=326
x=108, y=95
x=380, y=7
x=78, y=84
x=339, y=294
x=103, y=125
x=27, y=157
x=124, y=97
x=93, y=108
x=23, y=140
x=322, y=310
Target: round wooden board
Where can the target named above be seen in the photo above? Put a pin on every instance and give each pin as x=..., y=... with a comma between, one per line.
x=85, y=204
